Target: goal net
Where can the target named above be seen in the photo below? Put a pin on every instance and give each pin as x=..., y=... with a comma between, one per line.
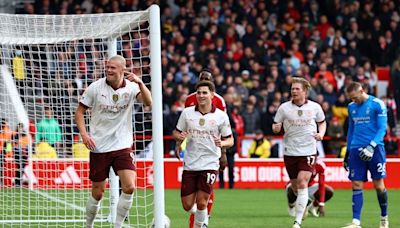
x=46, y=62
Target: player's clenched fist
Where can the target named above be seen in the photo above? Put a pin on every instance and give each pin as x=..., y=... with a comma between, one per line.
x=132, y=77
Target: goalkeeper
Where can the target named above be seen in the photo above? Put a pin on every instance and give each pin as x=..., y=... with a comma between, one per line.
x=365, y=149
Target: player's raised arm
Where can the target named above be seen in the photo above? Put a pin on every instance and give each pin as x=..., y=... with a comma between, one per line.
x=145, y=95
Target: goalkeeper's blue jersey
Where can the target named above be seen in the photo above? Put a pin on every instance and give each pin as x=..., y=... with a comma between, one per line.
x=367, y=123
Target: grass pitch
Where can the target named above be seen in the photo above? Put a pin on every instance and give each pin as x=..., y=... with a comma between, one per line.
x=239, y=208
x=245, y=208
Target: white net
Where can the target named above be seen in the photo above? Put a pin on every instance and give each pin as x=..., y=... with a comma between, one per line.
x=46, y=64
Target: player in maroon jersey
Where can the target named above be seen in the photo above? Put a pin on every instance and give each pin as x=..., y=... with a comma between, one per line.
x=318, y=192
x=219, y=102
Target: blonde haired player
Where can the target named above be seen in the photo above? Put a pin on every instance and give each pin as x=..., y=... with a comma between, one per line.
x=300, y=117
x=110, y=100
x=208, y=131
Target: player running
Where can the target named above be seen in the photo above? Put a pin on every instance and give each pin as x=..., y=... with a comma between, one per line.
x=218, y=102
x=318, y=192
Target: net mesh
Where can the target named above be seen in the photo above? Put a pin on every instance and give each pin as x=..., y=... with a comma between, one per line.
x=46, y=64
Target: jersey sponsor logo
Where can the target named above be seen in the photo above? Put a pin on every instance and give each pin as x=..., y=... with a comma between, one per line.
x=68, y=176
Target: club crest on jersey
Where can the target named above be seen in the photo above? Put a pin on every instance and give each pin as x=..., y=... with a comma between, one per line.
x=300, y=112
x=115, y=97
x=202, y=122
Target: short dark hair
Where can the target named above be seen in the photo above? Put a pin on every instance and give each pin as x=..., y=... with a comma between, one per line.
x=205, y=74
x=209, y=84
x=353, y=86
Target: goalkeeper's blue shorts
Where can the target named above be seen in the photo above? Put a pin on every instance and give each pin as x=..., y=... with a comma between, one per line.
x=358, y=168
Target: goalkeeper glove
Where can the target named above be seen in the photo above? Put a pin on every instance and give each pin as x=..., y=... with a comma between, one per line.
x=366, y=153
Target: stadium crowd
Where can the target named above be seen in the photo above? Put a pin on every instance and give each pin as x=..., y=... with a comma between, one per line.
x=254, y=49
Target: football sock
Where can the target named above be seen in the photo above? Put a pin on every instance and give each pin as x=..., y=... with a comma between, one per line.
x=124, y=204
x=357, y=203
x=301, y=204
x=92, y=207
x=383, y=201
x=192, y=211
x=356, y=222
x=291, y=196
x=210, y=203
x=200, y=218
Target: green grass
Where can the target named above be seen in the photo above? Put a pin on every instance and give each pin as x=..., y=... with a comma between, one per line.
x=268, y=208
x=233, y=208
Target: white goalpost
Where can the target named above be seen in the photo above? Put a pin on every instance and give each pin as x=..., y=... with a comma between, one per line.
x=46, y=62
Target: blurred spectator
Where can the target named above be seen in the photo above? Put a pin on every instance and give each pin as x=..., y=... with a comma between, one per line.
x=44, y=150
x=79, y=149
x=391, y=121
x=327, y=108
x=251, y=118
x=230, y=154
x=170, y=121
x=260, y=147
x=49, y=130
x=268, y=117
x=5, y=138
x=326, y=74
x=395, y=79
x=18, y=64
x=238, y=120
x=339, y=109
x=335, y=131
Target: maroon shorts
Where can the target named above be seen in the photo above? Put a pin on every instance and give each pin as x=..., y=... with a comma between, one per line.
x=100, y=163
x=295, y=164
x=193, y=181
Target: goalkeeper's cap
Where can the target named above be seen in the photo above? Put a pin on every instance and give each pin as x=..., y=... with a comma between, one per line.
x=205, y=74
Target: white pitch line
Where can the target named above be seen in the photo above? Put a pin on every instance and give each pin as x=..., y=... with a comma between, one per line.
x=60, y=201
x=70, y=205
